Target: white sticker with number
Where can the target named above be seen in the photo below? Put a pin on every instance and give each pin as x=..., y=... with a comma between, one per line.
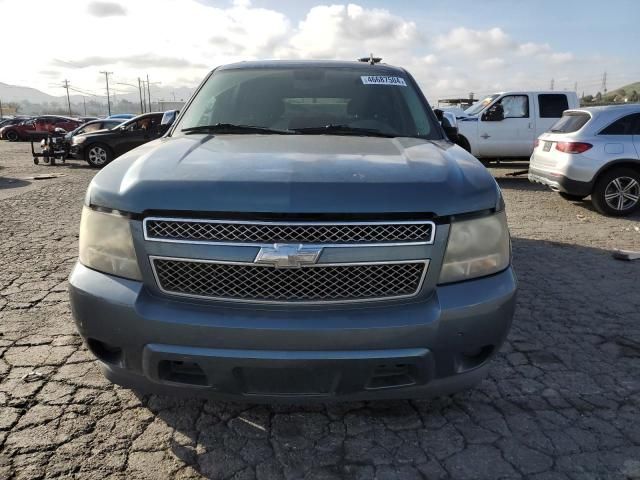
x=383, y=80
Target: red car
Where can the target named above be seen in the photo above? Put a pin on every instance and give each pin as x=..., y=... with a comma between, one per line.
x=39, y=127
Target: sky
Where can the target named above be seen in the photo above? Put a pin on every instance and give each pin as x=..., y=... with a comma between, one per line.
x=452, y=47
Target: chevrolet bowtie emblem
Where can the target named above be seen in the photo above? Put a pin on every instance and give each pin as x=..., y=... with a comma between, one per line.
x=286, y=255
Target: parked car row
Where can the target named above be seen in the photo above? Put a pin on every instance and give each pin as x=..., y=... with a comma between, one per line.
x=98, y=141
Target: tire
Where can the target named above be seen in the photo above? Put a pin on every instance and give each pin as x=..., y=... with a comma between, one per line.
x=12, y=136
x=571, y=197
x=617, y=192
x=98, y=155
x=464, y=143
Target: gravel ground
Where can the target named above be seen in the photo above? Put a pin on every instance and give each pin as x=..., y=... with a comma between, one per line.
x=562, y=400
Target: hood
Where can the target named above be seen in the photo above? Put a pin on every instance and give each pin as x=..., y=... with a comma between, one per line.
x=295, y=174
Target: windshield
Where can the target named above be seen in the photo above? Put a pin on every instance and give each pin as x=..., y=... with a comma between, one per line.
x=308, y=98
x=479, y=106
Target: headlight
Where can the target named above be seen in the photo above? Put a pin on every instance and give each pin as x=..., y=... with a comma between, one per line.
x=476, y=248
x=106, y=244
x=78, y=139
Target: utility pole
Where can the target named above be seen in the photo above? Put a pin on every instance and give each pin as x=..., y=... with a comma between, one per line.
x=144, y=97
x=552, y=84
x=148, y=92
x=1, y=114
x=84, y=102
x=66, y=86
x=604, y=84
x=140, y=92
x=106, y=77
x=575, y=87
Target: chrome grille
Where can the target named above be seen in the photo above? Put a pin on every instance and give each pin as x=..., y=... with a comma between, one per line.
x=217, y=231
x=315, y=284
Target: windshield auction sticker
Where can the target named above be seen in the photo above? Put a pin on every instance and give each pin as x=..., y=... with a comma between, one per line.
x=383, y=80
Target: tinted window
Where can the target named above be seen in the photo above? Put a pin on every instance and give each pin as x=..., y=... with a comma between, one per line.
x=629, y=125
x=552, y=105
x=308, y=97
x=570, y=122
x=111, y=125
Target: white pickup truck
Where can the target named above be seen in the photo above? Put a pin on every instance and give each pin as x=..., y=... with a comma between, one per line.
x=506, y=125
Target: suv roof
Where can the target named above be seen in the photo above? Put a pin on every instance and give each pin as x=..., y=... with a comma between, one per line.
x=311, y=63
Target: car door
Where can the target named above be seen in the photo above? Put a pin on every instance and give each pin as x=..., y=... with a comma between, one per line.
x=133, y=134
x=619, y=140
x=636, y=133
x=513, y=136
x=550, y=107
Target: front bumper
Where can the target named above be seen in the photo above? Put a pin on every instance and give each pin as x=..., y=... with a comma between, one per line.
x=76, y=151
x=161, y=344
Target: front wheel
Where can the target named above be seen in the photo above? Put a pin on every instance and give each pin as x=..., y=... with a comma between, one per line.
x=98, y=155
x=571, y=197
x=617, y=192
x=12, y=136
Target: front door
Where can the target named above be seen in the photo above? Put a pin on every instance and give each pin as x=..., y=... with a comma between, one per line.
x=513, y=136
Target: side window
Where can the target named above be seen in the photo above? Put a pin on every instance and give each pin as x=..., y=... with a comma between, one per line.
x=135, y=125
x=551, y=105
x=92, y=127
x=629, y=125
x=515, y=106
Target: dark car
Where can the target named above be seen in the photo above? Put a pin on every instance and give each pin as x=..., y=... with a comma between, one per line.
x=90, y=127
x=39, y=127
x=100, y=147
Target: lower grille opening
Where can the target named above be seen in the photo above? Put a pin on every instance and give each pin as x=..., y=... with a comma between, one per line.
x=181, y=372
x=104, y=352
x=392, y=376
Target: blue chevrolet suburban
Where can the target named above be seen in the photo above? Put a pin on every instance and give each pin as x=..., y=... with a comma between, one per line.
x=304, y=231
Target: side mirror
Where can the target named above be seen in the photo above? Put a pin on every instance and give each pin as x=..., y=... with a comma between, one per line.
x=495, y=113
x=168, y=118
x=449, y=124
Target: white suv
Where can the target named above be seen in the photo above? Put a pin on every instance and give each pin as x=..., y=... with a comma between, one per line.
x=593, y=151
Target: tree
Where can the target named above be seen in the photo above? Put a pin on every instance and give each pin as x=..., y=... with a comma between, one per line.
x=634, y=97
x=13, y=106
x=598, y=97
x=588, y=98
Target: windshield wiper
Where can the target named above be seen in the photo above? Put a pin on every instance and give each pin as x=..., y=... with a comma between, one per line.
x=341, y=129
x=234, y=128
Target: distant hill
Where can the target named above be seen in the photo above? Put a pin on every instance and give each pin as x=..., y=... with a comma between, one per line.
x=624, y=91
x=16, y=93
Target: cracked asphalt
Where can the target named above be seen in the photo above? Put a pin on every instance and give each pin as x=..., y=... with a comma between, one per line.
x=561, y=402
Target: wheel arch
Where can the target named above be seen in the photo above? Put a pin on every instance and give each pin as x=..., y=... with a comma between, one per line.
x=621, y=163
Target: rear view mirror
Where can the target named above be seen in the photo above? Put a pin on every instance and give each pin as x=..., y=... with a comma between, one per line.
x=167, y=120
x=169, y=117
x=449, y=124
x=495, y=113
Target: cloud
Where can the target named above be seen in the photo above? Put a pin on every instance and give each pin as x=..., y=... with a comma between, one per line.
x=350, y=31
x=176, y=46
x=146, y=60
x=470, y=41
x=106, y=9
